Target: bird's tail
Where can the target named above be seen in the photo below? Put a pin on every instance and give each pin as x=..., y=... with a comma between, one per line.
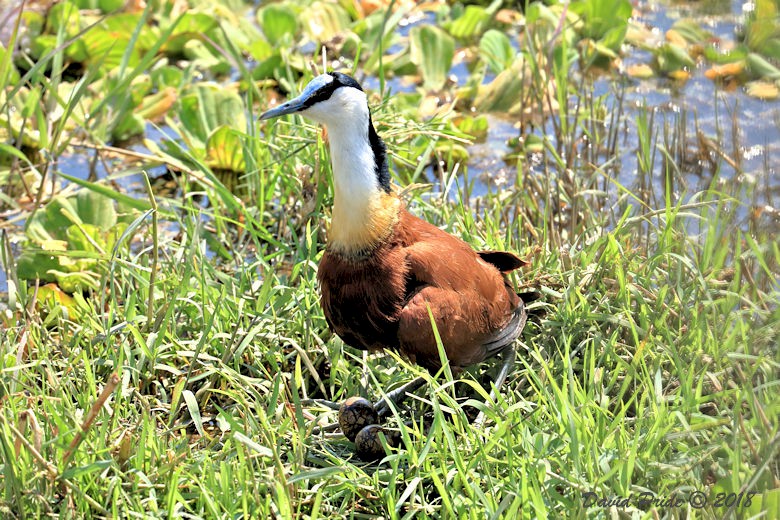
x=506, y=336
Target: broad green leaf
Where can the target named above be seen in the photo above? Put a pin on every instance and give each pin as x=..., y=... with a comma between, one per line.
x=73, y=281
x=57, y=216
x=167, y=76
x=207, y=107
x=190, y=26
x=42, y=45
x=106, y=48
x=63, y=14
x=601, y=16
x=127, y=126
x=32, y=265
x=84, y=238
x=761, y=68
x=261, y=50
x=714, y=54
x=279, y=22
x=604, y=21
x=762, y=31
x=268, y=67
x=432, y=50
x=106, y=6
x=324, y=20
x=470, y=24
x=96, y=209
x=496, y=50
x=671, y=57
x=225, y=151
x=124, y=25
x=70, y=240
x=474, y=126
x=502, y=94
x=204, y=56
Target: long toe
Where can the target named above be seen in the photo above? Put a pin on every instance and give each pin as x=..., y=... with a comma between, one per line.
x=397, y=396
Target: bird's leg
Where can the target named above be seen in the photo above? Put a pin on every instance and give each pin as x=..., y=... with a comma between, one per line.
x=324, y=403
x=396, y=396
x=508, y=356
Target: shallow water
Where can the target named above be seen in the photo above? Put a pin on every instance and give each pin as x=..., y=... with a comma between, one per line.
x=704, y=105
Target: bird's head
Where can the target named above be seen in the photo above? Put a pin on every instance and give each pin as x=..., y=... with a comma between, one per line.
x=364, y=209
x=333, y=99
x=337, y=101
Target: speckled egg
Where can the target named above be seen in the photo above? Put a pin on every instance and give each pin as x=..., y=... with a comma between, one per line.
x=368, y=445
x=355, y=414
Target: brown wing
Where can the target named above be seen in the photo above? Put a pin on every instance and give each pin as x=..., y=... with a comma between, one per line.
x=470, y=301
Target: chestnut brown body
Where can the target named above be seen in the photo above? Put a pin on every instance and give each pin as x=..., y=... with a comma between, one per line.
x=381, y=298
x=385, y=272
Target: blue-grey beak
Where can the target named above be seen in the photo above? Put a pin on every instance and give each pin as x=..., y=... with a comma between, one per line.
x=300, y=103
x=290, y=107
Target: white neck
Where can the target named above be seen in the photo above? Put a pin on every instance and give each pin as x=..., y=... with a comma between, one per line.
x=356, y=187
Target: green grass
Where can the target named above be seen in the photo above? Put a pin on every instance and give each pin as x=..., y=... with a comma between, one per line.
x=651, y=366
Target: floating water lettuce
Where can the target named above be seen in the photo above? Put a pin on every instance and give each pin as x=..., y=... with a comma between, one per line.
x=53, y=301
x=151, y=108
x=213, y=121
x=322, y=21
x=225, y=150
x=279, y=23
x=105, y=42
x=475, y=127
x=70, y=241
x=671, y=58
x=471, y=21
x=432, y=50
x=23, y=124
x=604, y=22
x=762, y=30
x=503, y=93
x=496, y=50
x=105, y=6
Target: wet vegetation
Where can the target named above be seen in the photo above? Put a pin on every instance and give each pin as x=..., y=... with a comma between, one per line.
x=161, y=342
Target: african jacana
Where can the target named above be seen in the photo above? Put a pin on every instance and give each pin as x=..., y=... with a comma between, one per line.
x=384, y=269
